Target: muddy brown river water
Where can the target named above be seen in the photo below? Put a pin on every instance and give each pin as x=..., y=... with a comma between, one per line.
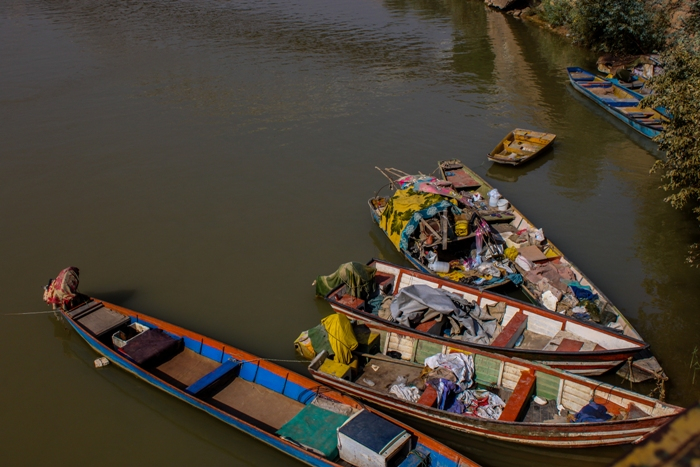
x=202, y=161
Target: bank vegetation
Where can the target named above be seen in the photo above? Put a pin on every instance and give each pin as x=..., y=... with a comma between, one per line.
x=670, y=28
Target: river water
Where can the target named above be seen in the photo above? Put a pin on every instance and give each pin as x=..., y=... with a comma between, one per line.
x=202, y=161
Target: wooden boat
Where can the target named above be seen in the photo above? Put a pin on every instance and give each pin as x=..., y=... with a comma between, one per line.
x=456, y=172
x=520, y=146
x=543, y=420
x=551, y=338
x=287, y=411
x=618, y=101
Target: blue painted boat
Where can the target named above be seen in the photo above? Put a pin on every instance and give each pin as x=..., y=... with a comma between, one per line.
x=308, y=421
x=640, y=92
x=618, y=101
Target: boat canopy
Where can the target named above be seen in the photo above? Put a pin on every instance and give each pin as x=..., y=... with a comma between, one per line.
x=406, y=208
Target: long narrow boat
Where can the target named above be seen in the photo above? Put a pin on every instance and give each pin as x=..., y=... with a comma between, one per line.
x=520, y=146
x=640, y=93
x=508, y=399
x=551, y=338
x=466, y=180
x=618, y=101
x=289, y=412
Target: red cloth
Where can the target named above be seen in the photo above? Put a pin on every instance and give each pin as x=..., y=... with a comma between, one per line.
x=62, y=290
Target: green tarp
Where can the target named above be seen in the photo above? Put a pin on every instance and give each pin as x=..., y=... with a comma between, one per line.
x=315, y=428
x=358, y=277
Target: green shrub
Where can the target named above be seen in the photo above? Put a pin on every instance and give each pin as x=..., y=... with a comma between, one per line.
x=618, y=26
x=678, y=89
x=556, y=12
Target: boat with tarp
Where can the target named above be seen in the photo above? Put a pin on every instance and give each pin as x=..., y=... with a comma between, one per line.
x=310, y=422
x=429, y=308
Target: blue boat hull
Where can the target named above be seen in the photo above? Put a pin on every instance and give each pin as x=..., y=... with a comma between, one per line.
x=256, y=433
x=643, y=129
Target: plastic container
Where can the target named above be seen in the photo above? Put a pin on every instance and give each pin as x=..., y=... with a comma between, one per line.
x=100, y=362
x=121, y=338
x=494, y=196
x=502, y=204
x=439, y=266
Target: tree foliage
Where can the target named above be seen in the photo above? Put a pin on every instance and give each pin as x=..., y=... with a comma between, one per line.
x=557, y=12
x=678, y=89
x=618, y=26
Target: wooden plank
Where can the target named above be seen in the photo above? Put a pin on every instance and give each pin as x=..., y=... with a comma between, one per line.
x=547, y=386
x=569, y=345
x=517, y=402
x=429, y=396
x=487, y=370
x=425, y=349
x=511, y=332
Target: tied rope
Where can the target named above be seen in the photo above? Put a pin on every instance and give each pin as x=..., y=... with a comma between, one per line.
x=32, y=313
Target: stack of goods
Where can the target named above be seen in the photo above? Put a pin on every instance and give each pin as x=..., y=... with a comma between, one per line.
x=550, y=279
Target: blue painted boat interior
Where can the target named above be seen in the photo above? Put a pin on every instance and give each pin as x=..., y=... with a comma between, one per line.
x=237, y=391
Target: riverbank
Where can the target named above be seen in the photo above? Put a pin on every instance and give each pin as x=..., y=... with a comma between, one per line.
x=670, y=17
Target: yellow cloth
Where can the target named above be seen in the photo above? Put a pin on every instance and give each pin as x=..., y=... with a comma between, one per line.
x=511, y=253
x=461, y=228
x=340, y=336
x=400, y=209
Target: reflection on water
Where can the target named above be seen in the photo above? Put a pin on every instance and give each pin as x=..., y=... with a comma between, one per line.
x=203, y=161
x=510, y=174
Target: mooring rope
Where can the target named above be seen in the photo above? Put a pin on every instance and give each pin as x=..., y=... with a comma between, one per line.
x=32, y=313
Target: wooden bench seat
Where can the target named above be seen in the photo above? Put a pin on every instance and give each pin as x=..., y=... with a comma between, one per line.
x=213, y=376
x=517, y=402
x=429, y=397
x=569, y=345
x=511, y=331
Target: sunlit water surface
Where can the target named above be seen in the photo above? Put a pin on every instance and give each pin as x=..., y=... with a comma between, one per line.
x=202, y=161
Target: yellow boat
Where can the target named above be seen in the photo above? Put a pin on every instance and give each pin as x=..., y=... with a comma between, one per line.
x=520, y=146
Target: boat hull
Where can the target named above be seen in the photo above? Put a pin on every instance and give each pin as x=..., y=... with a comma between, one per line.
x=646, y=130
x=443, y=456
x=535, y=141
x=260, y=435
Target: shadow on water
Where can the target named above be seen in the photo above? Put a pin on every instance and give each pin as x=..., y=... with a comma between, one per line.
x=118, y=297
x=633, y=135
x=510, y=174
